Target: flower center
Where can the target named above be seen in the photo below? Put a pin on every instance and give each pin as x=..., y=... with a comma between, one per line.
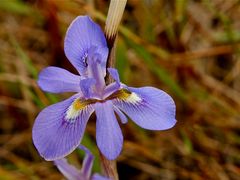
x=121, y=94
x=79, y=105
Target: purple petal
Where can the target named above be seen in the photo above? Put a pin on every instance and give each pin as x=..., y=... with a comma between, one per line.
x=69, y=171
x=108, y=133
x=113, y=87
x=114, y=73
x=87, y=162
x=149, y=108
x=122, y=116
x=99, y=177
x=110, y=89
x=58, y=80
x=95, y=70
x=58, y=129
x=86, y=87
x=81, y=35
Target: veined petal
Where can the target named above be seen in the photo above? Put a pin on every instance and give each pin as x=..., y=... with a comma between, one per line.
x=58, y=80
x=108, y=133
x=59, y=128
x=81, y=35
x=122, y=116
x=148, y=107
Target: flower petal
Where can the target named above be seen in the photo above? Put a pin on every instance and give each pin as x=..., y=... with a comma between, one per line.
x=148, y=107
x=58, y=129
x=69, y=171
x=86, y=87
x=87, y=162
x=58, y=80
x=113, y=87
x=114, y=73
x=122, y=116
x=108, y=133
x=72, y=173
x=95, y=69
x=97, y=176
x=81, y=35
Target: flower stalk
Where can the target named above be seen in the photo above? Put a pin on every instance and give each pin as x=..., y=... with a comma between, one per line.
x=115, y=13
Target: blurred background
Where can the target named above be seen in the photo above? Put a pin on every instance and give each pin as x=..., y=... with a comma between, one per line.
x=189, y=48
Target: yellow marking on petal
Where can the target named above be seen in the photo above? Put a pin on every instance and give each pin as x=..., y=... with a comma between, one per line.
x=79, y=104
x=125, y=95
x=120, y=94
x=76, y=107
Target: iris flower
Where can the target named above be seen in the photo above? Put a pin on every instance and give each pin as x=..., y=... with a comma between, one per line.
x=59, y=128
x=72, y=173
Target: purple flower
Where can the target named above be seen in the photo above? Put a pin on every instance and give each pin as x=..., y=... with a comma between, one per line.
x=59, y=128
x=72, y=173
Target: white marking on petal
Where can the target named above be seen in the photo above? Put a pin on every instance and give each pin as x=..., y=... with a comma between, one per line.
x=78, y=106
x=74, y=110
x=133, y=98
x=72, y=113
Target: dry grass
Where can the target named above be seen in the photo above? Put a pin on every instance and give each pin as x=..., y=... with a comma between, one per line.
x=188, y=48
